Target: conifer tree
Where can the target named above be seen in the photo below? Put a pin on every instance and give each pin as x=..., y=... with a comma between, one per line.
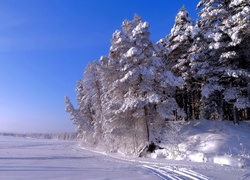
x=176, y=46
x=215, y=59
x=141, y=93
x=88, y=115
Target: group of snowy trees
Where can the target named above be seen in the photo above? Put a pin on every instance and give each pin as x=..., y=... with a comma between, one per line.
x=198, y=71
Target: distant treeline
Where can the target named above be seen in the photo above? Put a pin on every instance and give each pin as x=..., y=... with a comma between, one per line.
x=60, y=136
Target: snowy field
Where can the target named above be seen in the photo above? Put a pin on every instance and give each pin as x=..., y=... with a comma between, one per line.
x=27, y=158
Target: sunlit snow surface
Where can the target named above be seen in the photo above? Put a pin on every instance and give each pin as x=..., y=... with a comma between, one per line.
x=26, y=158
x=22, y=158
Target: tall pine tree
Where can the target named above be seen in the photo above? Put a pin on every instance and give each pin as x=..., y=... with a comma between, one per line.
x=176, y=47
x=215, y=61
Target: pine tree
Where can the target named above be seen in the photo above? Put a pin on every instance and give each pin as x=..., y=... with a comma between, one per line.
x=215, y=61
x=237, y=27
x=88, y=117
x=177, y=45
x=178, y=42
x=127, y=132
x=140, y=94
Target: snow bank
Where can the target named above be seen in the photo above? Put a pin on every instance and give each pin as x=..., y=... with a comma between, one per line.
x=219, y=142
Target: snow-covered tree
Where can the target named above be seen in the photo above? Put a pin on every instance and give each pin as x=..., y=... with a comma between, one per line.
x=88, y=117
x=215, y=59
x=237, y=26
x=176, y=47
x=139, y=99
x=177, y=43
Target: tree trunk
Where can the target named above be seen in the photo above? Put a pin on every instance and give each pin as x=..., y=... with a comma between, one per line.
x=221, y=110
x=185, y=99
x=235, y=115
x=146, y=122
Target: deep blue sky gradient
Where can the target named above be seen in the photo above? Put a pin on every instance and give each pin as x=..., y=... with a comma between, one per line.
x=45, y=45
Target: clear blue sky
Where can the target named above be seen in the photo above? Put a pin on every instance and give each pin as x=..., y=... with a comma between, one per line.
x=45, y=45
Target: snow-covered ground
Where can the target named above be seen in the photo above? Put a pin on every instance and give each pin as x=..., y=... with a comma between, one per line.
x=219, y=142
x=27, y=158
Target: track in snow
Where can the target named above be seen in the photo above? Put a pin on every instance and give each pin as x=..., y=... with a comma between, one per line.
x=174, y=173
